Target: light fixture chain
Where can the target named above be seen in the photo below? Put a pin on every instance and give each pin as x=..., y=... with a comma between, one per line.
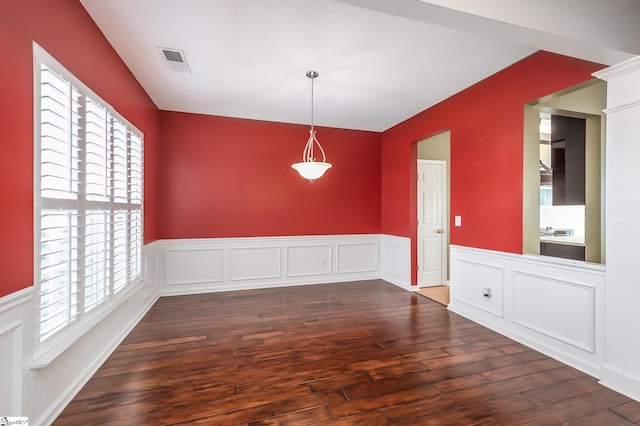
x=309, y=168
x=313, y=136
x=312, y=78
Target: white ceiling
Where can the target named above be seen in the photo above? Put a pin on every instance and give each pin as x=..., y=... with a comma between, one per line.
x=380, y=61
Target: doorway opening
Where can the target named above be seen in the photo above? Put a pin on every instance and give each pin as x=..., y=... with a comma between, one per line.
x=563, y=181
x=433, y=222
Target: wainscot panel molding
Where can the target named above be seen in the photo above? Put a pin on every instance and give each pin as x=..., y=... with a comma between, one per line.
x=11, y=353
x=569, y=308
x=193, y=266
x=16, y=319
x=396, y=261
x=309, y=260
x=555, y=306
x=225, y=264
x=256, y=263
x=358, y=258
x=477, y=275
x=43, y=393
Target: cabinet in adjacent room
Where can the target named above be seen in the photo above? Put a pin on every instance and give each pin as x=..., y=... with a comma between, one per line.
x=568, y=160
x=565, y=251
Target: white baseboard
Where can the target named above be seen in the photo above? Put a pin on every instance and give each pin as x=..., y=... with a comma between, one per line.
x=620, y=380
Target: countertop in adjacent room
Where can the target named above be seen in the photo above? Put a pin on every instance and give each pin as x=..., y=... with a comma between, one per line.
x=572, y=240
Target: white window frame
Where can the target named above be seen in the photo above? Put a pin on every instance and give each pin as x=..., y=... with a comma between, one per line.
x=84, y=313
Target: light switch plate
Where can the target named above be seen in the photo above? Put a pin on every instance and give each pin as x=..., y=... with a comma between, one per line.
x=458, y=220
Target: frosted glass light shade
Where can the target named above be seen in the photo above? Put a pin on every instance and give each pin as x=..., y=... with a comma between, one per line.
x=311, y=170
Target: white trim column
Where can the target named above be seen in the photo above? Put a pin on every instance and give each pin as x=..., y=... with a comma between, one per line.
x=621, y=370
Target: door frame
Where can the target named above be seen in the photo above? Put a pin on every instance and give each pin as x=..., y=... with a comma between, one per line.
x=444, y=244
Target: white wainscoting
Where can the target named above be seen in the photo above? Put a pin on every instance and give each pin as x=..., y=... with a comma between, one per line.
x=180, y=267
x=11, y=342
x=553, y=305
x=192, y=266
x=41, y=394
x=569, y=311
x=224, y=264
x=396, y=261
x=476, y=275
x=16, y=317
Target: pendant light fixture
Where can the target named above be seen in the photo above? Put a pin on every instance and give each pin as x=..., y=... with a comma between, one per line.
x=309, y=168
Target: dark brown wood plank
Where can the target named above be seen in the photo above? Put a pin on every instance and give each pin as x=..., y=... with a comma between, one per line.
x=629, y=410
x=361, y=353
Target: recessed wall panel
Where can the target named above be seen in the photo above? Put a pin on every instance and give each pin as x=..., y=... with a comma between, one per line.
x=308, y=260
x=192, y=266
x=473, y=281
x=357, y=258
x=11, y=370
x=396, y=260
x=561, y=309
x=256, y=263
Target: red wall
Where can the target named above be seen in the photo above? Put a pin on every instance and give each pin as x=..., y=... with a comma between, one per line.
x=229, y=177
x=65, y=30
x=486, y=124
x=223, y=177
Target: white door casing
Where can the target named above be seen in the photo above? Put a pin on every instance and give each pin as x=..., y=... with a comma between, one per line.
x=432, y=241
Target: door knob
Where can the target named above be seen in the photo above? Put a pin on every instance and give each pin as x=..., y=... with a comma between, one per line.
x=440, y=231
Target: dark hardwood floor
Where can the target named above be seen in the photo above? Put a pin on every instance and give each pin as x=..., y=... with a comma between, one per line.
x=363, y=353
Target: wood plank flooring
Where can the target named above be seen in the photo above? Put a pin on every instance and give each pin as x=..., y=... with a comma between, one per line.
x=362, y=353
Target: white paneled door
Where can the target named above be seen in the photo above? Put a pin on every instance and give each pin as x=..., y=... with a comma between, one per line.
x=431, y=223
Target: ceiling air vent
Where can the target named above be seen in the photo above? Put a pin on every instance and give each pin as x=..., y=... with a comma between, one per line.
x=172, y=55
x=175, y=59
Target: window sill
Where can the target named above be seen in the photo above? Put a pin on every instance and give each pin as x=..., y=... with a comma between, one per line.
x=44, y=358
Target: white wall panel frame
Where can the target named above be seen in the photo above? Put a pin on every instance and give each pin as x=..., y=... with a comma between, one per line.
x=396, y=261
x=260, y=262
x=194, y=266
x=569, y=308
x=309, y=260
x=255, y=263
x=357, y=258
x=11, y=368
x=528, y=286
x=478, y=276
x=17, y=315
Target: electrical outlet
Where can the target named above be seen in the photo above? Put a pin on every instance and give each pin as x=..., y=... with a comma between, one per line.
x=486, y=292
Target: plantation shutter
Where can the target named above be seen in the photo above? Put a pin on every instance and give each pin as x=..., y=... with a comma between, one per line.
x=88, y=202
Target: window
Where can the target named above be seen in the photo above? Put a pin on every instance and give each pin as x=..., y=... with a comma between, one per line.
x=88, y=204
